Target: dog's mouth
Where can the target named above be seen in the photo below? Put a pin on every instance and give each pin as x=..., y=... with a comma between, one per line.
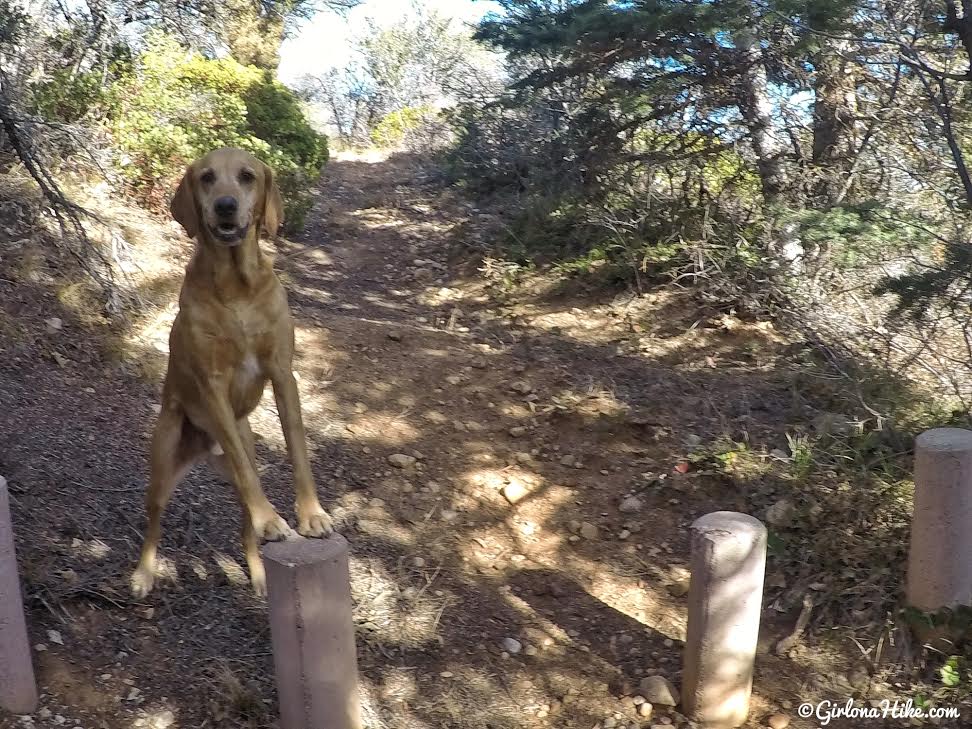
x=230, y=234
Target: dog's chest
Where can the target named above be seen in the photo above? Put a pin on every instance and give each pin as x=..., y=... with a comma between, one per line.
x=248, y=371
x=249, y=379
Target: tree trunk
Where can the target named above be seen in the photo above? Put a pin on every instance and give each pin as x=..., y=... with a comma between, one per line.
x=834, y=112
x=757, y=110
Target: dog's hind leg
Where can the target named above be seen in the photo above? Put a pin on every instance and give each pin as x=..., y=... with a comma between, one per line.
x=176, y=447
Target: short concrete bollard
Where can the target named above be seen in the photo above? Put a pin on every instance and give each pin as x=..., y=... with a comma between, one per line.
x=940, y=557
x=309, y=591
x=18, y=690
x=724, y=602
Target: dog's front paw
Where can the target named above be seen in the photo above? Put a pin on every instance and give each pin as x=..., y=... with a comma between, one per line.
x=142, y=581
x=314, y=523
x=272, y=529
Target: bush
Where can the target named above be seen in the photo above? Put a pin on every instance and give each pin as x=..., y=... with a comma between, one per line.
x=177, y=105
x=412, y=126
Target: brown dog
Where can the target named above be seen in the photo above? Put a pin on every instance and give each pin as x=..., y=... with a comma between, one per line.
x=232, y=334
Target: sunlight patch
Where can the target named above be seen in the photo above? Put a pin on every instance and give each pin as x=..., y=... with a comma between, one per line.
x=395, y=610
x=231, y=569
x=157, y=719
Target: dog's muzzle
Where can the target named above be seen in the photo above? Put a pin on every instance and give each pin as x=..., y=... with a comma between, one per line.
x=229, y=234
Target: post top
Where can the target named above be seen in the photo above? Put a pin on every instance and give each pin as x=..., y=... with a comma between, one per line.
x=301, y=551
x=729, y=521
x=945, y=439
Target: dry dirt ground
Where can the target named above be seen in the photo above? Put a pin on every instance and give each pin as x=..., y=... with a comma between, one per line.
x=404, y=348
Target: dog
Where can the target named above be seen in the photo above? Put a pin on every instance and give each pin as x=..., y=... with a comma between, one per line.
x=233, y=333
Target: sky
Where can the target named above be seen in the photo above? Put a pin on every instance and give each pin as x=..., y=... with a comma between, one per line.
x=325, y=41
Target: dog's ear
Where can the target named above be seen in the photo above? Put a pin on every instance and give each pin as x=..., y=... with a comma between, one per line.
x=183, y=205
x=272, y=203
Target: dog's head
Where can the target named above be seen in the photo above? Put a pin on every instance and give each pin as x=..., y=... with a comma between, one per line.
x=225, y=194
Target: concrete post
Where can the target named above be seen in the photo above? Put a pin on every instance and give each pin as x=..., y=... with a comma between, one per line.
x=724, y=602
x=18, y=691
x=940, y=557
x=309, y=591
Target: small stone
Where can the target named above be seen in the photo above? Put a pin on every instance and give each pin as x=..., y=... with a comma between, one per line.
x=645, y=709
x=658, y=690
x=624, y=534
x=630, y=505
x=568, y=461
x=517, y=431
x=54, y=324
x=638, y=700
x=418, y=562
x=40, y=647
x=588, y=531
x=858, y=679
x=446, y=674
x=609, y=723
x=522, y=387
x=530, y=650
x=395, y=336
x=45, y=713
x=679, y=588
x=511, y=645
x=781, y=514
x=448, y=514
x=55, y=637
x=833, y=424
x=515, y=491
x=778, y=721
x=400, y=460
x=523, y=457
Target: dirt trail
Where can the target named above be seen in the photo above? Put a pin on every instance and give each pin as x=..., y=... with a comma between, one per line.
x=401, y=350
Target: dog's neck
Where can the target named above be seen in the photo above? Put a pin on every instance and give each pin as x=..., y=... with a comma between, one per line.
x=232, y=271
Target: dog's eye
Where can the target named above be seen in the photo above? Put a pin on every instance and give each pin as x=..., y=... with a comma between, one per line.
x=208, y=177
x=247, y=176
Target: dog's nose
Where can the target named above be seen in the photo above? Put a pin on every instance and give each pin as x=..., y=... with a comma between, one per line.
x=225, y=206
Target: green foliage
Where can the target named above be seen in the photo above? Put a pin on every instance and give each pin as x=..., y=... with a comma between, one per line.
x=177, y=105
x=950, y=673
x=856, y=235
x=395, y=126
x=944, y=279
x=68, y=96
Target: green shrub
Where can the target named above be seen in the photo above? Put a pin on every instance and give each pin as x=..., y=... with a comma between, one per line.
x=395, y=126
x=177, y=105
